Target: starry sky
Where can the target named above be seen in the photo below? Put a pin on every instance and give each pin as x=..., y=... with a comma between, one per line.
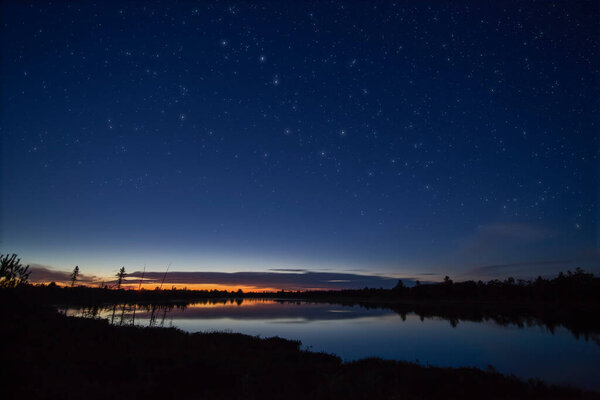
x=372, y=138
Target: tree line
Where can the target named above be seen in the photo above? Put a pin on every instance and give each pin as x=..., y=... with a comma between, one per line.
x=577, y=286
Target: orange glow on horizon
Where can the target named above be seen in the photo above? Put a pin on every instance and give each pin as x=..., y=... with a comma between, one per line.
x=194, y=286
x=199, y=286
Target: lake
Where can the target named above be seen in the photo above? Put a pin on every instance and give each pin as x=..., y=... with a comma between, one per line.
x=354, y=332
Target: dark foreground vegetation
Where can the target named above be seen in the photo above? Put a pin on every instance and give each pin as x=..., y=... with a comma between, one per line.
x=52, y=356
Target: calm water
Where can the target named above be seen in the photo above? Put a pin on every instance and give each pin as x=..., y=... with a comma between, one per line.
x=355, y=332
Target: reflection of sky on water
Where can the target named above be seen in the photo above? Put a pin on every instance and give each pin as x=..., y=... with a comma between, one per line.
x=355, y=332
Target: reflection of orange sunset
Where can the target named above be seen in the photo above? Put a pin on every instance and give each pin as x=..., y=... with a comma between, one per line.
x=231, y=303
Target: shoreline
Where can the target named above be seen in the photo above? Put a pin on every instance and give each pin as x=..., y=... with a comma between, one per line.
x=55, y=356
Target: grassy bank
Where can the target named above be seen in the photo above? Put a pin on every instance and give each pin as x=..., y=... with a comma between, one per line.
x=53, y=356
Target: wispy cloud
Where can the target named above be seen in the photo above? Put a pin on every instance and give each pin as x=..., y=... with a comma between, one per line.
x=288, y=270
x=297, y=280
x=502, y=269
x=530, y=269
x=497, y=240
x=520, y=250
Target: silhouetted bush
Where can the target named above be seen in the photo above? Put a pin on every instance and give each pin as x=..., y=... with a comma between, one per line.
x=12, y=273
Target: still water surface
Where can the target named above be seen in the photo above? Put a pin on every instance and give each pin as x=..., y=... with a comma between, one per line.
x=354, y=332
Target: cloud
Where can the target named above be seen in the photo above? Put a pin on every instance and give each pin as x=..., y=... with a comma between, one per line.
x=44, y=274
x=504, y=269
x=533, y=268
x=499, y=238
x=288, y=270
x=520, y=250
x=279, y=280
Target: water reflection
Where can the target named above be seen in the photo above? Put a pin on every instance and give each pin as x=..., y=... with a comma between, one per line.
x=240, y=309
x=525, y=348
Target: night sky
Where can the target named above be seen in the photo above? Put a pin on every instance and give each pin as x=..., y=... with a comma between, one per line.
x=373, y=138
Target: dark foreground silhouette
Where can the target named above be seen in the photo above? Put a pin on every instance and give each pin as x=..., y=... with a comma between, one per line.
x=48, y=355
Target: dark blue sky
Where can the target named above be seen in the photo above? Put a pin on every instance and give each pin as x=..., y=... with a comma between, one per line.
x=372, y=137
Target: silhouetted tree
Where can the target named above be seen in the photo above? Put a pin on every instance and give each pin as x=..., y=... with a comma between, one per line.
x=74, y=275
x=120, y=275
x=399, y=288
x=12, y=273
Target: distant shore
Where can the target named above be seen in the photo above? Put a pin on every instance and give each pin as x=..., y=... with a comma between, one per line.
x=53, y=356
x=569, y=300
